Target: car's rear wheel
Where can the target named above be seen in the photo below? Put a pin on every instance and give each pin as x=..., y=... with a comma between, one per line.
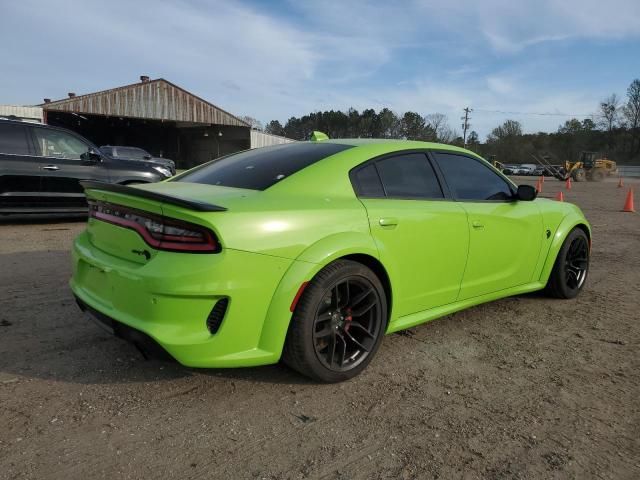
x=571, y=267
x=338, y=323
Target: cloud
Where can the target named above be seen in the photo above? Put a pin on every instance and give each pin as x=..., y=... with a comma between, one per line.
x=279, y=61
x=500, y=85
x=511, y=27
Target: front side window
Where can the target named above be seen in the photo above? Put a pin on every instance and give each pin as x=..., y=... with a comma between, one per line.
x=13, y=139
x=470, y=179
x=53, y=143
x=409, y=176
x=260, y=168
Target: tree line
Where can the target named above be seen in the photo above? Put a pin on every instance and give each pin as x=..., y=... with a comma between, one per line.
x=613, y=130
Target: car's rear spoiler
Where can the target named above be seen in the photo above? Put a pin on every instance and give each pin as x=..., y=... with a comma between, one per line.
x=151, y=195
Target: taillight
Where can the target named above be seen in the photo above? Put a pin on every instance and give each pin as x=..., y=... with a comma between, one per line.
x=159, y=232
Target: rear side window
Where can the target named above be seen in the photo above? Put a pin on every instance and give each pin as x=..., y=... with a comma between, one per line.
x=368, y=182
x=470, y=179
x=260, y=168
x=13, y=139
x=409, y=176
x=135, y=153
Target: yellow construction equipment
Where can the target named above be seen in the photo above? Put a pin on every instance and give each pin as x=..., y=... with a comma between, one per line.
x=591, y=166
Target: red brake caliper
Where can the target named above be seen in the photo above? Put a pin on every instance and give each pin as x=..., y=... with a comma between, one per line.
x=348, y=319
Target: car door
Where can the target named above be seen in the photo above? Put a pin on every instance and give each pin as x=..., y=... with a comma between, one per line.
x=422, y=238
x=64, y=157
x=505, y=234
x=20, y=173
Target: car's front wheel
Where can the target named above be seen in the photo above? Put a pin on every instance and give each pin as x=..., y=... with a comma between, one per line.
x=571, y=267
x=338, y=323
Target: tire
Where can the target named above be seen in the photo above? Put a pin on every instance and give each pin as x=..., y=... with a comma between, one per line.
x=571, y=267
x=579, y=175
x=598, y=174
x=328, y=339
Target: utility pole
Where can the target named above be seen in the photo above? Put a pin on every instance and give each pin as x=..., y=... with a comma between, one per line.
x=465, y=125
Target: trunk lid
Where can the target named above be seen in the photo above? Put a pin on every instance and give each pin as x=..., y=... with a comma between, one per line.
x=193, y=203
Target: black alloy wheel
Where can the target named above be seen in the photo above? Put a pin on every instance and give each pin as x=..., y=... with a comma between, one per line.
x=338, y=323
x=347, y=323
x=576, y=263
x=571, y=267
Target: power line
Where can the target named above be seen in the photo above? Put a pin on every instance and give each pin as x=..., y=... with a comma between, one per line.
x=543, y=114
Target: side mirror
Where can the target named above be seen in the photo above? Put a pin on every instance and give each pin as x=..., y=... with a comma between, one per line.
x=91, y=156
x=526, y=193
x=147, y=157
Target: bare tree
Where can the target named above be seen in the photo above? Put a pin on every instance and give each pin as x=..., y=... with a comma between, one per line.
x=609, y=112
x=253, y=123
x=631, y=112
x=509, y=129
x=440, y=125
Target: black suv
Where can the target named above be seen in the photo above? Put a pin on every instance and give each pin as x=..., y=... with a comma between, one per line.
x=41, y=168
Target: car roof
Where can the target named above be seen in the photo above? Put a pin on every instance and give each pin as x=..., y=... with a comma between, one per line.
x=46, y=126
x=398, y=144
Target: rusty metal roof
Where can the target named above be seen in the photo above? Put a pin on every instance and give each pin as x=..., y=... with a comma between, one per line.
x=155, y=100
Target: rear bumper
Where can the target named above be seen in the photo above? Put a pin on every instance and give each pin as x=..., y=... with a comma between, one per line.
x=170, y=297
x=143, y=342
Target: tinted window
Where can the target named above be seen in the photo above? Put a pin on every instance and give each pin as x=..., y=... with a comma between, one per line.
x=409, y=176
x=13, y=139
x=130, y=152
x=470, y=179
x=260, y=168
x=367, y=182
x=53, y=143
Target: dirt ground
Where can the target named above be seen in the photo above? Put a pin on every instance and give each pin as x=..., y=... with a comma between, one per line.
x=526, y=387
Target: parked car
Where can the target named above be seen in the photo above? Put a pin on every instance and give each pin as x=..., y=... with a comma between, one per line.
x=540, y=170
x=134, y=153
x=510, y=168
x=312, y=251
x=528, y=169
x=41, y=168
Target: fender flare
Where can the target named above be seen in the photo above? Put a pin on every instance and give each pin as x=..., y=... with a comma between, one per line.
x=568, y=223
x=303, y=269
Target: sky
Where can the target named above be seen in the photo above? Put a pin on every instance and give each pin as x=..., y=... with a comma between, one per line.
x=277, y=59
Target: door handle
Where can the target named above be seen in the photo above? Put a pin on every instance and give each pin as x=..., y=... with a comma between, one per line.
x=477, y=225
x=50, y=167
x=388, y=222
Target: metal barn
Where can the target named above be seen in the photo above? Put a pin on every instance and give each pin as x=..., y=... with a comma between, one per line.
x=155, y=115
x=261, y=139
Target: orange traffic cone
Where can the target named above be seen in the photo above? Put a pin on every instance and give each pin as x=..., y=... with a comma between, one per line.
x=620, y=183
x=567, y=184
x=560, y=196
x=628, y=204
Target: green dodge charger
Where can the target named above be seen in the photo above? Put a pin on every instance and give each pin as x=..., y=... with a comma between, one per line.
x=310, y=252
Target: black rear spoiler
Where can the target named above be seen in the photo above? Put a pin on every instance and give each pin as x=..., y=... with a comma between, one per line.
x=151, y=195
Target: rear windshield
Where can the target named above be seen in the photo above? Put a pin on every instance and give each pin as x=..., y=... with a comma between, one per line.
x=260, y=168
